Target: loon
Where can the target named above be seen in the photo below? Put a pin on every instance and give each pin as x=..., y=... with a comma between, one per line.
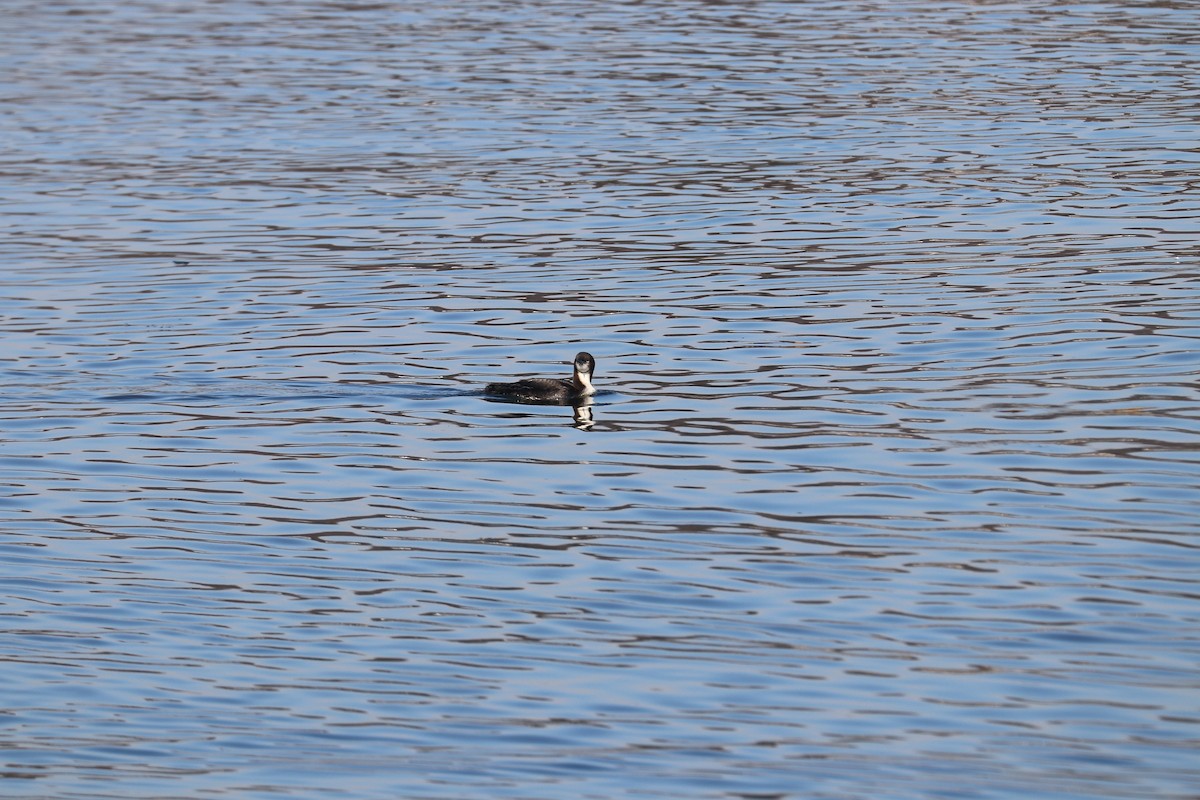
x=556, y=391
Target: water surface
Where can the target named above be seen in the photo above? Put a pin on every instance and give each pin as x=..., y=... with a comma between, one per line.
x=890, y=492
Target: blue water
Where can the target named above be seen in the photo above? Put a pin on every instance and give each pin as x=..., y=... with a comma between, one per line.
x=890, y=490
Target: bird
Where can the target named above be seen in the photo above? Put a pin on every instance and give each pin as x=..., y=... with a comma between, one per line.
x=550, y=391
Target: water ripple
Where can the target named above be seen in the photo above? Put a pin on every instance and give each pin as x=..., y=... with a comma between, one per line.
x=892, y=474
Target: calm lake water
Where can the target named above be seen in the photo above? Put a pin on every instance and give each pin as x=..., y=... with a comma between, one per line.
x=891, y=489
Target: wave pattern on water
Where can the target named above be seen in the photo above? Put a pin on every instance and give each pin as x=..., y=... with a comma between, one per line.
x=893, y=474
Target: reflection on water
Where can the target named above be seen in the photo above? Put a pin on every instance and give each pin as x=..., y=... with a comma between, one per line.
x=892, y=477
x=584, y=418
x=583, y=415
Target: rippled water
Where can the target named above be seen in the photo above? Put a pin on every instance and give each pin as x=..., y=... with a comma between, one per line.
x=891, y=489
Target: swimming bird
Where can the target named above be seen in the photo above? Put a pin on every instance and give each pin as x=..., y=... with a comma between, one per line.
x=550, y=391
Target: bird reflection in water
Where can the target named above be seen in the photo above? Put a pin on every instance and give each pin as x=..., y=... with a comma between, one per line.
x=583, y=417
